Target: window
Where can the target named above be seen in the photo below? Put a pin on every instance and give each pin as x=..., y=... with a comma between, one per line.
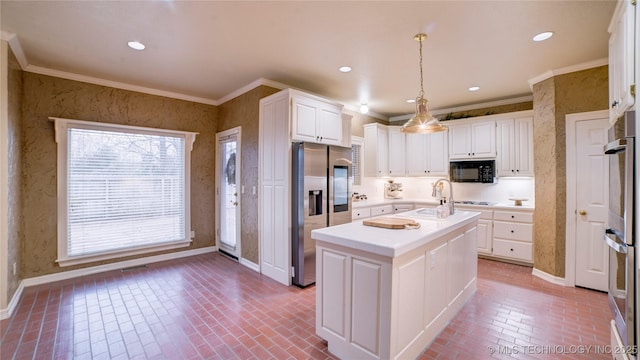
x=122, y=190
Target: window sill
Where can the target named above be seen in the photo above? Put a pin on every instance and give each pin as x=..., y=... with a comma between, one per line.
x=76, y=260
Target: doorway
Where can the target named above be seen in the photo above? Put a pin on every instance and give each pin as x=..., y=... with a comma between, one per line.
x=228, y=180
x=587, y=260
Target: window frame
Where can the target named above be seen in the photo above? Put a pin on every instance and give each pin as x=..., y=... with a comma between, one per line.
x=62, y=126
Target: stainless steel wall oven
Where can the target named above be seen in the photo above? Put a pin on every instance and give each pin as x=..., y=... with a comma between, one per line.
x=619, y=233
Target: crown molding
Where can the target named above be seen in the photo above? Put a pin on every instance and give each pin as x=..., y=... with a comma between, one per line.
x=566, y=70
x=251, y=86
x=436, y=112
x=16, y=48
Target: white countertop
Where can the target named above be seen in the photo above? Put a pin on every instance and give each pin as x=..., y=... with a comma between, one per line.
x=393, y=242
x=430, y=202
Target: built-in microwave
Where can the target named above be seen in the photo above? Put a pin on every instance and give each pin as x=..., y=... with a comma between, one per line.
x=478, y=171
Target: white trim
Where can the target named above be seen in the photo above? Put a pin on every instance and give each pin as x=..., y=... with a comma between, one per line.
x=251, y=86
x=436, y=112
x=15, y=46
x=250, y=264
x=548, y=277
x=116, y=84
x=4, y=173
x=237, y=132
x=572, y=196
x=76, y=260
x=566, y=70
x=45, y=279
x=131, y=128
x=6, y=313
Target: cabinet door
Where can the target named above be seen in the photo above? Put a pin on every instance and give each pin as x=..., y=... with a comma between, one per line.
x=417, y=154
x=375, y=150
x=382, y=153
x=523, y=146
x=329, y=125
x=483, y=139
x=485, y=236
x=459, y=141
x=303, y=119
x=436, y=155
x=505, y=157
x=621, y=60
x=396, y=152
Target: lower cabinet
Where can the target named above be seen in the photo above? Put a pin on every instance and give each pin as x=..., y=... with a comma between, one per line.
x=513, y=235
x=360, y=213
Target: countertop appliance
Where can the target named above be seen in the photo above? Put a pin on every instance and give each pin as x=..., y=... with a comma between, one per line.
x=392, y=190
x=478, y=171
x=620, y=229
x=321, y=183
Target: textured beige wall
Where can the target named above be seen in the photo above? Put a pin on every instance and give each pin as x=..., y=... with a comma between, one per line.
x=243, y=111
x=553, y=99
x=46, y=96
x=15, y=168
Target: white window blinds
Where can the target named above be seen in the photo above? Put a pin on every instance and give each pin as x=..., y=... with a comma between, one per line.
x=124, y=189
x=356, y=163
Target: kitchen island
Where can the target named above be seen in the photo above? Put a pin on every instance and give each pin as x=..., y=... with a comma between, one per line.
x=387, y=293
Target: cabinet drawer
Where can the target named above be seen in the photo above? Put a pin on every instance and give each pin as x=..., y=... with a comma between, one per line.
x=484, y=214
x=360, y=213
x=526, y=217
x=513, y=231
x=381, y=210
x=402, y=208
x=513, y=249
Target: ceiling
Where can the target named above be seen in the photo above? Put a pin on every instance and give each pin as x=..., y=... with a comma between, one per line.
x=209, y=49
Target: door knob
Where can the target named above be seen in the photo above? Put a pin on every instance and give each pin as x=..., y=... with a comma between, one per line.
x=582, y=212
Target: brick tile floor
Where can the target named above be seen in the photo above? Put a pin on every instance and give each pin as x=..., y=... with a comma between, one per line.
x=209, y=307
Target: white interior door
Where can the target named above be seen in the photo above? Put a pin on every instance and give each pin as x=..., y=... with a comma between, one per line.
x=591, y=204
x=228, y=169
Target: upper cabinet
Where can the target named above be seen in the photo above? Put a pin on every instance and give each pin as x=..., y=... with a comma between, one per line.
x=621, y=60
x=472, y=139
x=515, y=145
x=397, y=152
x=427, y=154
x=376, y=150
x=318, y=121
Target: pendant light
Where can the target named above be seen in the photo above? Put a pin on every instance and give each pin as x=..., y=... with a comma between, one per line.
x=422, y=122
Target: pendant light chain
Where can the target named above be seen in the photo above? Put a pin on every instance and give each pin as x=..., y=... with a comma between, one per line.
x=421, y=77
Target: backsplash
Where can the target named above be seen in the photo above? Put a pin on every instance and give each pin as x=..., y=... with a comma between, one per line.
x=420, y=188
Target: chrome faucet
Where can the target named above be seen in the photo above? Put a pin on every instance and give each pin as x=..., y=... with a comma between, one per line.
x=452, y=208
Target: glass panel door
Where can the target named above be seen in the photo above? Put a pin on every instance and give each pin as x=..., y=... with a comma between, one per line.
x=229, y=192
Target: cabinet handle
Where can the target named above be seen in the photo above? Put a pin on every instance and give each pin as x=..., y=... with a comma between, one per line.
x=469, y=154
x=512, y=231
x=511, y=249
x=615, y=103
x=513, y=216
x=517, y=170
x=512, y=170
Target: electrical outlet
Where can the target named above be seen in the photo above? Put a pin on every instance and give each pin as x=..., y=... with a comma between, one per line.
x=15, y=270
x=193, y=234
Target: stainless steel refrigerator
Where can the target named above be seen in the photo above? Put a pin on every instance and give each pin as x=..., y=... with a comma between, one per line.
x=321, y=187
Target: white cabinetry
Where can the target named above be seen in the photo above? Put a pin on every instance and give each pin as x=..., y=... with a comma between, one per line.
x=513, y=235
x=427, y=154
x=360, y=213
x=376, y=150
x=400, y=208
x=381, y=210
x=397, y=152
x=472, y=139
x=621, y=59
x=515, y=146
x=318, y=121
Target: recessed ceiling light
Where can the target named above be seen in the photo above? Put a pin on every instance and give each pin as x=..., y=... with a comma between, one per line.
x=543, y=36
x=345, y=69
x=136, y=45
x=474, y=88
x=364, y=109
x=411, y=101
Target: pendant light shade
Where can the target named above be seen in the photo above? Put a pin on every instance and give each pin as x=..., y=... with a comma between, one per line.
x=422, y=122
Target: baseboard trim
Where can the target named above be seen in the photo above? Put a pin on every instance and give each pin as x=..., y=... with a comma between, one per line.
x=250, y=264
x=13, y=304
x=548, y=277
x=44, y=279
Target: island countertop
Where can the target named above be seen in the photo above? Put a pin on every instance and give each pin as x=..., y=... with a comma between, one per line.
x=393, y=242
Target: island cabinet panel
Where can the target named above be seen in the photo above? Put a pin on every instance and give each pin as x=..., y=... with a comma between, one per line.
x=411, y=298
x=366, y=280
x=334, y=267
x=375, y=306
x=436, y=292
